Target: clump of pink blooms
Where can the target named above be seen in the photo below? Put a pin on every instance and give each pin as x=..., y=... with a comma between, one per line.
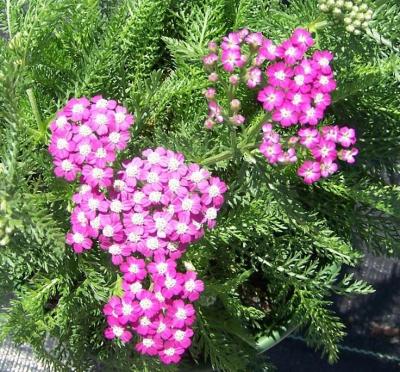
x=86, y=136
x=294, y=87
x=145, y=216
x=321, y=144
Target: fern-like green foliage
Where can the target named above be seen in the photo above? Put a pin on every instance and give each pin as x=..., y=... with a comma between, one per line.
x=280, y=247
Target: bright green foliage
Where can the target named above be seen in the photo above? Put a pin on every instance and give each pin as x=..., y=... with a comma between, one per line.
x=279, y=248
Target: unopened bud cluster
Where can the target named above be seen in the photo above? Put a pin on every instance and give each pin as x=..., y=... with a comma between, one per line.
x=356, y=14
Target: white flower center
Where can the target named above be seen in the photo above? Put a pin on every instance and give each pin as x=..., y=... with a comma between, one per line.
x=181, y=228
x=114, y=137
x=152, y=177
x=137, y=219
x=119, y=117
x=169, y=282
x=280, y=75
x=115, y=249
x=97, y=173
x=179, y=335
x=95, y=223
x=62, y=143
x=324, y=62
x=285, y=113
x=116, y=206
x=61, y=121
x=152, y=243
x=133, y=237
x=118, y=331
x=319, y=97
x=145, y=304
x=101, y=119
x=148, y=342
x=173, y=164
x=181, y=314
x=297, y=99
x=85, y=149
x=145, y=321
x=174, y=184
x=153, y=158
x=119, y=185
x=66, y=165
x=170, y=351
x=299, y=79
x=93, y=203
x=108, y=231
x=161, y=224
x=78, y=108
x=211, y=213
x=138, y=196
x=190, y=285
x=85, y=130
x=310, y=112
x=213, y=191
x=196, y=177
x=155, y=196
x=291, y=51
x=187, y=204
x=78, y=238
x=101, y=103
x=161, y=327
x=135, y=287
x=81, y=218
x=133, y=268
x=132, y=171
x=323, y=80
x=127, y=309
x=101, y=153
x=162, y=267
x=172, y=247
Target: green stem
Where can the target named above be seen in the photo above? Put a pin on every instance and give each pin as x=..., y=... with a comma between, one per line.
x=42, y=127
x=267, y=342
x=224, y=155
x=8, y=5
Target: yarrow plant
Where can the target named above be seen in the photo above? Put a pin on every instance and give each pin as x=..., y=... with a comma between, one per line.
x=294, y=88
x=145, y=215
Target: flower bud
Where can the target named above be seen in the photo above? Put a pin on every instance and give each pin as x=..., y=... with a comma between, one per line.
x=210, y=93
x=235, y=105
x=323, y=8
x=213, y=77
x=189, y=266
x=356, y=23
x=331, y=3
x=209, y=123
x=337, y=11
x=357, y=32
x=212, y=46
x=237, y=119
x=339, y=3
x=348, y=5
x=350, y=28
x=363, y=7
x=365, y=25
x=347, y=20
x=234, y=79
x=293, y=140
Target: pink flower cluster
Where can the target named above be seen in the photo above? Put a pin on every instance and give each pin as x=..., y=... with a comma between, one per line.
x=238, y=54
x=295, y=88
x=298, y=90
x=86, y=136
x=145, y=215
x=321, y=145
